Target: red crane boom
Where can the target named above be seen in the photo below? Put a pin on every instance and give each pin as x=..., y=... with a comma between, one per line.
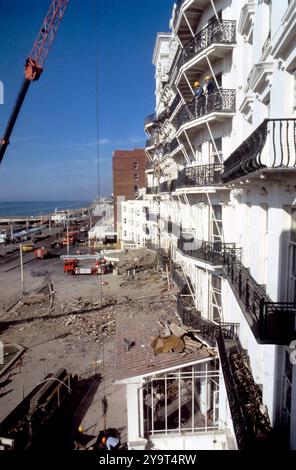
x=35, y=61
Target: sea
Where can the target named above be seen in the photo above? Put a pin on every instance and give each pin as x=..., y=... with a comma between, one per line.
x=38, y=208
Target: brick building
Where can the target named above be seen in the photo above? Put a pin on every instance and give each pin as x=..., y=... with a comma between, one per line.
x=128, y=175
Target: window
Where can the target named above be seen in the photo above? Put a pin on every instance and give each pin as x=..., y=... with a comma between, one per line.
x=124, y=221
x=125, y=233
x=216, y=151
x=182, y=401
x=136, y=177
x=136, y=189
x=136, y=165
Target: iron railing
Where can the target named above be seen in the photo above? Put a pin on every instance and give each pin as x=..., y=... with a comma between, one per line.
x=217, y=32
x=150, y=119
x=211, y=252
x=271, y=145
x=207, y=329
x=178, y=278
x=271, y=322
x=203, y=175
x=219, y=100
x=156, y=118
x=238, y=417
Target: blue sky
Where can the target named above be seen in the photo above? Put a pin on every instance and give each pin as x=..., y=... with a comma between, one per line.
x=52, y=155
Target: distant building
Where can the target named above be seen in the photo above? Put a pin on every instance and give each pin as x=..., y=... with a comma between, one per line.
x=128, y=176
x=134, y=226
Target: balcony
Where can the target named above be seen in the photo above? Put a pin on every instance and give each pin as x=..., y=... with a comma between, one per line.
x=251, y=427
x=149, y=120
x=215, y=253
x=217, y=32
x=208, y=330
x=186, y=17
x=211, y=43
x=246, y=18
x=203, y=175
x=155, y=119
x=271, y=147
x=270, y=322
x=219, y=101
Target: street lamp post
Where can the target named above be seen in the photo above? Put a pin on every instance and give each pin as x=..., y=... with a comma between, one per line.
x=22, y=268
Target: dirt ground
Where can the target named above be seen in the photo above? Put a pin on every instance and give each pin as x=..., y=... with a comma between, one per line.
x=63, y=337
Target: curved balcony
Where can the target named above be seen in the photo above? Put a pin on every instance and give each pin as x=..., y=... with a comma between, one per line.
x=270, y=322
x=203, y=175
x=191, y=177
x=217, y=32
x=219, y=101
x=214, y=253
x=155, y=119
x=149, y=120
x=271, y=146
x=212, y=43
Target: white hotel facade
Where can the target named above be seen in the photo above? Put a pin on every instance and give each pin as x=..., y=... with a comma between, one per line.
x=221, y=198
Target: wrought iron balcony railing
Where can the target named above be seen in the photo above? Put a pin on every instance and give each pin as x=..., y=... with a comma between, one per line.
x=238, y=418
x=220, y=100
x=271, y=322
x=251, y=428
x=203, y=175
x=271, y=145
x=217, y=32
x=211, y=252
x=150, y=119
x=156, y=119
x=207, y=329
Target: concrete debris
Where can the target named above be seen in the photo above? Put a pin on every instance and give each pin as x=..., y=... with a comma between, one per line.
x=251, y=397
x=178, y=338
x=94, y=320
x=138, y=260
x=177, y=330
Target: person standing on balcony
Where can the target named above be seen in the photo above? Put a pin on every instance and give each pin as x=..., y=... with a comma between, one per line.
x=200, y=102
x=198, y=89
x=210, y=85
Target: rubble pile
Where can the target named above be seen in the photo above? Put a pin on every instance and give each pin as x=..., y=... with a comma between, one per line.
x=138, y=260
x=98, y=321
x=250, y=396
x=177, y=338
